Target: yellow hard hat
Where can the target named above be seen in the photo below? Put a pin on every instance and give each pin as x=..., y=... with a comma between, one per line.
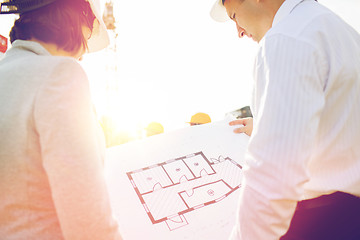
x=200, y=118
x=154, y=128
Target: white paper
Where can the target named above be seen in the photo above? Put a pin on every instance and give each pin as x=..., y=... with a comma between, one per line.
x=179, y=185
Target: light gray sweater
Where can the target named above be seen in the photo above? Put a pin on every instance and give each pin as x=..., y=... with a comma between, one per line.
x=51, y=150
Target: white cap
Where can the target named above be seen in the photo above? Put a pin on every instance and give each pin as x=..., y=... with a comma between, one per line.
x=99, y=38
x=218, y=12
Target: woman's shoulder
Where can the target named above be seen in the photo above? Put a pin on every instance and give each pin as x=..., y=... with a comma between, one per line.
x=27, y=67
x=63, y=79
x=32, y=57
x=59, y=71
x=49, y=63
x=60, y=66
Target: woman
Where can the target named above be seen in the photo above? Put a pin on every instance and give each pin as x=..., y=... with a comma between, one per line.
x=51, y=147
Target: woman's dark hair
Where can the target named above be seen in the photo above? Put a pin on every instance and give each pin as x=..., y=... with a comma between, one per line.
x=59, y=23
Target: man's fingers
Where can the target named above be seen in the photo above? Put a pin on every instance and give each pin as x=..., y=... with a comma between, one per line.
x=236, y=122
x=240, y=130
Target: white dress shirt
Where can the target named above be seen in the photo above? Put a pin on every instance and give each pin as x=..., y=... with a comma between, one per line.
x=306, y=108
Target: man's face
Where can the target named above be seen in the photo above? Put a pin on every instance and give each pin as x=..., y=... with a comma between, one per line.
x=248, y=16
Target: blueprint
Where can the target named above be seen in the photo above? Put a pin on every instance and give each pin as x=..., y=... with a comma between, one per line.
x=179, y=185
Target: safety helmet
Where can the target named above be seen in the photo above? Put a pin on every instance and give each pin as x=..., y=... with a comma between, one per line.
x=99, y=38
x=22, y=6
x=154, y=128
x=200, y=118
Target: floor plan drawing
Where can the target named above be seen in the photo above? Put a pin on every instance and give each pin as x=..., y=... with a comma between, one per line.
x=170, y=189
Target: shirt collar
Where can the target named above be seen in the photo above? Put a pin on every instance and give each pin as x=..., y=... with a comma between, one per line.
x=285, y=9
x=30, y=46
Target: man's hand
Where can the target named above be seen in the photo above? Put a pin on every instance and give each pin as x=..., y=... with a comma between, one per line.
x=247, y=125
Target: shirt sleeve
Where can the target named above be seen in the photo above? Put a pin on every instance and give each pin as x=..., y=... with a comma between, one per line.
x=288, y=103
x=72, y=154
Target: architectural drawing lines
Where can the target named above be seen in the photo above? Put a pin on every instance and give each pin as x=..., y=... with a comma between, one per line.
x=170, y=189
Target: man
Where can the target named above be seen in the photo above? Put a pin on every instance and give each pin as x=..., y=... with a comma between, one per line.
x=302, y=173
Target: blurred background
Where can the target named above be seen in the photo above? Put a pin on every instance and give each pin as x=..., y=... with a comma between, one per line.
x=167, y=61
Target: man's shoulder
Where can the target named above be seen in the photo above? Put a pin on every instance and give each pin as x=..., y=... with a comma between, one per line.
x=315, y=26
x=306, y=21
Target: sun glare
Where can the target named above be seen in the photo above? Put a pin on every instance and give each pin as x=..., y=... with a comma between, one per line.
x=165, y=71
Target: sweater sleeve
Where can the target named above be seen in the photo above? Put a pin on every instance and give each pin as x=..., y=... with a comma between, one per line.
x=72, y=154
